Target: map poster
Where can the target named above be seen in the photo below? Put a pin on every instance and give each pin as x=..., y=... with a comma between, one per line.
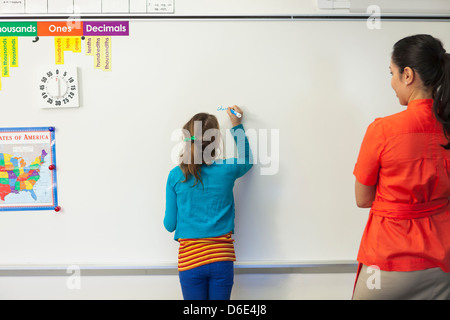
x=27, y=169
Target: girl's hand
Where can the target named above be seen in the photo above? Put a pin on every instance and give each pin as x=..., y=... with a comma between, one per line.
x=235, y=120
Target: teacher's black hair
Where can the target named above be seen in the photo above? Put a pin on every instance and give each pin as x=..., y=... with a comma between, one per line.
x=426, y=56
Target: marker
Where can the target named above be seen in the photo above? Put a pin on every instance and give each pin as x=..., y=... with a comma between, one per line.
x=237, y=114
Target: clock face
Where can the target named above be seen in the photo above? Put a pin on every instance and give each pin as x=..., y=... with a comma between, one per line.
x=58, y=88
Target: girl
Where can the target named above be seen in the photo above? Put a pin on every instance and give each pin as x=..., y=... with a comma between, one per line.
x=200, y=207
x=403, y=174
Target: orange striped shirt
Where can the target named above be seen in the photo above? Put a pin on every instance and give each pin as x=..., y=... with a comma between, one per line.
x=198, y=252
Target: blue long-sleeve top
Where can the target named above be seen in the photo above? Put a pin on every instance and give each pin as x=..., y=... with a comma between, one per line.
x=206, y=210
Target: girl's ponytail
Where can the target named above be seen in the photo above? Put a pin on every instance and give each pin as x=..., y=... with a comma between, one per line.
x=190, y=166
x=441, y=96
x=201, y=145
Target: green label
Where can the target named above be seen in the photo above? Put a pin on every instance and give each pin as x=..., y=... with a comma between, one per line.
x=18, y=29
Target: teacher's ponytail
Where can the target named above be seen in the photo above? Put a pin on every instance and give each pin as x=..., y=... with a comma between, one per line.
x=441, y=96
x=426, y=56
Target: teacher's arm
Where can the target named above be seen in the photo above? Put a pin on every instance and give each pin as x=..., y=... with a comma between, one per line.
x=365, y=195
x=368, y=165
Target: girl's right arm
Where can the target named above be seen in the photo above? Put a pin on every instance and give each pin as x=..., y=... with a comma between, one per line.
x=245, y=157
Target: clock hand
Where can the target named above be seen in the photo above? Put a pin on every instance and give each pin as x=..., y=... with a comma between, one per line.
x=59, y=87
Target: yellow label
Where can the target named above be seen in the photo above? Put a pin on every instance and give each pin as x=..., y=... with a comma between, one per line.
x=106, y=54
x=76, y=44
x=89, y=46
x=97, y=52
x=5, y=57
x=59, y=52
x=1, y=58
x=67, y=43
x=13, y=51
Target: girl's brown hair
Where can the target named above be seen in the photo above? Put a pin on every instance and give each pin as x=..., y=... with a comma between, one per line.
x=200, y=133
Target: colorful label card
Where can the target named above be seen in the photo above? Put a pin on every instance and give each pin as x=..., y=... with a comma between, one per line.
x=106, y=28
x=13, y=51
x=59, y=51
x=60, y=28
x=4, y=57
x=18, y=29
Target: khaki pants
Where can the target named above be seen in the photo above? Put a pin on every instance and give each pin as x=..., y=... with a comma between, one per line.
x=429, y=284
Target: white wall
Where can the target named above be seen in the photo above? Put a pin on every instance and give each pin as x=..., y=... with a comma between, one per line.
x=246, y=287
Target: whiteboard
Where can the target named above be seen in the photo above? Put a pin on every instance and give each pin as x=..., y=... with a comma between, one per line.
x=318, y=84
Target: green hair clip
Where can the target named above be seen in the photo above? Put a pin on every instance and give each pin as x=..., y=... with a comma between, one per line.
x=191, y=138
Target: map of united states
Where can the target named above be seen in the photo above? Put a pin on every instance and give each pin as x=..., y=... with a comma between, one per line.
x=17, y=176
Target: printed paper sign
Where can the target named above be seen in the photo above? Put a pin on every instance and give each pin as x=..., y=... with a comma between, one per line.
x=12, y=6
x=160, y=6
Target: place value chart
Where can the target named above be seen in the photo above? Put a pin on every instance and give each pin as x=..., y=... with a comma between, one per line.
x=69, y=36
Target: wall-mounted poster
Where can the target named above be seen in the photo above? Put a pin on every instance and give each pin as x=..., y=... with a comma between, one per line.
x=28, y=169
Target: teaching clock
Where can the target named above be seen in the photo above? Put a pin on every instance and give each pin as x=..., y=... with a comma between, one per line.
x=58, y=87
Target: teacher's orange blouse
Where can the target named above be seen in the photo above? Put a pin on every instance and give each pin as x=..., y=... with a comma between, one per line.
x=408, y=227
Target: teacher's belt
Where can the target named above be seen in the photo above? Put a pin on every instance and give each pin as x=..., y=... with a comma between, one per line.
x=409, y=211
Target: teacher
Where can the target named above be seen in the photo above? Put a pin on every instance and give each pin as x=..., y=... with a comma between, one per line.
x=403, y=175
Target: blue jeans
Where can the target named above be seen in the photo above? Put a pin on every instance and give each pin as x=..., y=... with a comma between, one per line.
x=212, y=281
